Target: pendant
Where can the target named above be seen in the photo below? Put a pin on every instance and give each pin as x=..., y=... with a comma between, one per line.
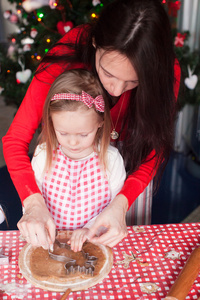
x=114, y=134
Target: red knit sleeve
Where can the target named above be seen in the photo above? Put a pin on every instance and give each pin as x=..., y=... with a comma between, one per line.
x=138, y=181
x=16, y=141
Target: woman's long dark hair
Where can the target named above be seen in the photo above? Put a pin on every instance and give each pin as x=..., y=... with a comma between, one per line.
x=140, y=30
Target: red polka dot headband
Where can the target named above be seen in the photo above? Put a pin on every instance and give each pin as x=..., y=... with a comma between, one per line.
x=84, y=97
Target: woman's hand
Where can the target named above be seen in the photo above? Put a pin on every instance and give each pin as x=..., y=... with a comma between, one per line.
x=37, y=225
x=113, y=219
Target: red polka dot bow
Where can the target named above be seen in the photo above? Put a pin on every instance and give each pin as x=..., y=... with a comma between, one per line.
x=98, y=102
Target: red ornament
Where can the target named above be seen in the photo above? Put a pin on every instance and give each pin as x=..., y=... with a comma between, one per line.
x=173, y=8
x=179, y=39
x=64, y=27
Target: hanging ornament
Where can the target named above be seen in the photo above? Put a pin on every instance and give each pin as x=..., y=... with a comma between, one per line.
x=11, y=51
x=7, y=14
x=27, y=47
x=30, y=5
x=52, y=4
x=20, y=50
x=33, y=32
x=95, y=2
x=192, y=80
x=24, y=75
x=173, y=8
x=27, y=40
x=64, y=27
x=14, y=18
x=179, y=39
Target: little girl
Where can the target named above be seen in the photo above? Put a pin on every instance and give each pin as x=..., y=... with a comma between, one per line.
x=76, y=169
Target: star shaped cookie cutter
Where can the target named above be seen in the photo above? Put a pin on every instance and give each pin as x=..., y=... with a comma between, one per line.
x=70, y=264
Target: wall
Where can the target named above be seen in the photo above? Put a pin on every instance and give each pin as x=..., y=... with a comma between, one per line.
x=5, y=26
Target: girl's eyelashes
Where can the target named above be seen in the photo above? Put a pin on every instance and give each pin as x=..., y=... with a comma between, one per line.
x=80, y=134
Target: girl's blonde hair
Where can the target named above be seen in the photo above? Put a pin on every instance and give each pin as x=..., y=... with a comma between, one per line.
x=74, y=81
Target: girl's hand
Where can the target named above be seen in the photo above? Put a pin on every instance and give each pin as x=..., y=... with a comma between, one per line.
x=113, y=219
x=37, y=225
x=79, y=236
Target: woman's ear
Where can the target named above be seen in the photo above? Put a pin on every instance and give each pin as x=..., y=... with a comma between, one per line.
x=93, y=42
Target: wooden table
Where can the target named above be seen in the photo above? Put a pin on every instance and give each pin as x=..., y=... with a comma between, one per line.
x=146, y=264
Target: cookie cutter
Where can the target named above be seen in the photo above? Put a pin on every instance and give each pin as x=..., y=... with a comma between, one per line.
x=70, y=264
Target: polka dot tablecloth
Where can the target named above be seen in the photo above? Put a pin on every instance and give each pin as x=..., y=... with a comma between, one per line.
x=146, y=264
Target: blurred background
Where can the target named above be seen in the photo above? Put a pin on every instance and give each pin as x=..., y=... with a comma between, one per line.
x=29, y=28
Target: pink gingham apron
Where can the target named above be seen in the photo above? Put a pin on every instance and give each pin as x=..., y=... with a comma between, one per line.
x=75, y=191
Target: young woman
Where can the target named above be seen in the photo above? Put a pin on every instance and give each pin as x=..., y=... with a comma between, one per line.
x=130, y=49
x=78, y=173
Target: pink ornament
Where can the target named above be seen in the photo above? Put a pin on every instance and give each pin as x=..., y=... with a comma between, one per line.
x=13, y=18
x=64, y=27
x=33, y=33
x=52, y=4
x=11, y=51
x=95, y=2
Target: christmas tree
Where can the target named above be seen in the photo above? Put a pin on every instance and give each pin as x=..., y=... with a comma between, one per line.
x=43, y=22
x=40, y=24
x=189, y=61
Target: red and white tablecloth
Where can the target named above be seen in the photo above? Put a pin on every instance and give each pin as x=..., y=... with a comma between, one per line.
x=146, y=264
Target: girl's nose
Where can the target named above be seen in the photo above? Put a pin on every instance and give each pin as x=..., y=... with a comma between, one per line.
x=73, y=141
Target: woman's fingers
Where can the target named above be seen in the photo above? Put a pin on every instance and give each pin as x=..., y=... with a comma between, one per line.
x=37, y=225
x=110, y=238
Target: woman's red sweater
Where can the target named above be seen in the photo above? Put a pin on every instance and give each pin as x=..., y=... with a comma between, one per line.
x=16, y=141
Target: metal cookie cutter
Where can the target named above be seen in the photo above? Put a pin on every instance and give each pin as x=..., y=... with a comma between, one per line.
x=70, y=264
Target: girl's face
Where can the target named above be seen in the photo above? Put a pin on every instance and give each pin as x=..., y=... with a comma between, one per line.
x=115, y=71
x=76, y=131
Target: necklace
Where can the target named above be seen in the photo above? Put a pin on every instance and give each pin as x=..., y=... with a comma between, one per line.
x=114, y=134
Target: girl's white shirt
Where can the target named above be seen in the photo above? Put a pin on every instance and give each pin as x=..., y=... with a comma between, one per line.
x=115, y=171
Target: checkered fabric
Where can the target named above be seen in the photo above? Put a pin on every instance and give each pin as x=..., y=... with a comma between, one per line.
x=75, y=191
x=149, y=255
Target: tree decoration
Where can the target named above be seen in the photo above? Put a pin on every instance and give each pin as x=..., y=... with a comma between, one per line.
x=7, y=14
x=33, y=32
x=52, y=4
x=64, y=27
x=173, y=8
x=95, y=2
x=191, y=80
x=27, y=47
x=179, y=39
x=14, y=18
x=27, y=40
x=11, y=51
x=24, y=75
x=30, y=5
